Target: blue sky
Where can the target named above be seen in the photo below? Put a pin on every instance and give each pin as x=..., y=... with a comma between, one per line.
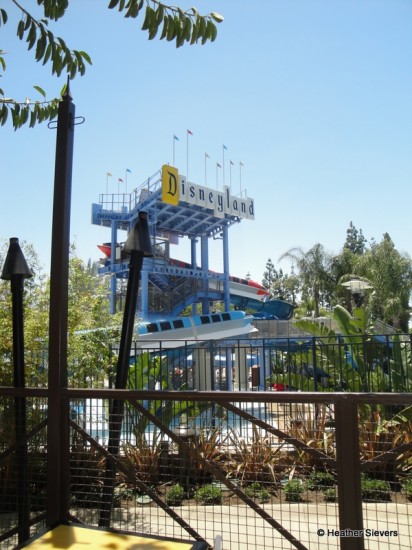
x=314, y=97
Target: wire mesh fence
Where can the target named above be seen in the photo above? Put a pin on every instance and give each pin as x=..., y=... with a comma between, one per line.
x=262, y=472
x=285, y=469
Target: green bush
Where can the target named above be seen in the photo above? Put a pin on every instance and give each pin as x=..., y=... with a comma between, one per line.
x=330, y=494
x=208, y=494
x=408, y=488
x=376, y=490
x=174, y=495
x=318, y=481
x=256, y=491
x=293, y=490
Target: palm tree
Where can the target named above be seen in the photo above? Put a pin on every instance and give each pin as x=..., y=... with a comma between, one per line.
x=313, y=271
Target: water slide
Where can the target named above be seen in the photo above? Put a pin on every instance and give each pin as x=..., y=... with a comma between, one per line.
x=245, y=294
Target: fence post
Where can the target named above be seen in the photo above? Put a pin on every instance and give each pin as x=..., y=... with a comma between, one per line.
x=348, y=472
x=58, y=410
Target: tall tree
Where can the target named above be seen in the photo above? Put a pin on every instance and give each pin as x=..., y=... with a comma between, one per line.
x=390, y=273
x=176, y=25
x=91, y=327
x=355, y=241
x=314, y=273
x=269, y=274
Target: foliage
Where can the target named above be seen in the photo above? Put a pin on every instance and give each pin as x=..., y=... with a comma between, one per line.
x=330, y=495
x=86, y=475
x=91, y=328
x=408, y=488
x=208, y=445
x=148, y=372
x=381, y=432
x=174, y=495
x=257, y=491
x=320, y=277
x=310, y=429
x=375, y=490
x=353, y=360
x=390, y=273
x=176, y=25
x=314, y=273
x=319, y=480
x=209, y=494
x=355, y=240
x=255, y=458
x=293, y=490
x=144, y=457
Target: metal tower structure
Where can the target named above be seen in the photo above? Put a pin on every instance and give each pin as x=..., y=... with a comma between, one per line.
x=176, y=209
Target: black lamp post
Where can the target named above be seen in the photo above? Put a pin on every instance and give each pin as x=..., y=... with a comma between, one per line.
x=138, y=245
x=15, y=270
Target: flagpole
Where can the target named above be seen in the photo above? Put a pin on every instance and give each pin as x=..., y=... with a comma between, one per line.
x=217, y=175
x=174, y=149
x=223, y=164
x=240, y=176
x=206, y=157
x=108, y=174
x=125, y=179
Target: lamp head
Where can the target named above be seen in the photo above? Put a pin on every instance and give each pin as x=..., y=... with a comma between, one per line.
x=139, y=237
x=15, y=264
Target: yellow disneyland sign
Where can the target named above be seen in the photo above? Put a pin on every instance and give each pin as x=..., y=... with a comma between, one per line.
x=176, y=189
x=170, y=185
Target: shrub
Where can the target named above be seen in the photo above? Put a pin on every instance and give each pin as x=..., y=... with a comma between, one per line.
x=330, y=494
x=256, y=491
x=208, y=494
x=376, y=490
x=293, y=490
x=408, y=489
x=318, y=481
x=174, y=495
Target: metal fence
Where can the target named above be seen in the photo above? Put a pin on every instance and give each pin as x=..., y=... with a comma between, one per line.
x=262, y=469
x=370, y=363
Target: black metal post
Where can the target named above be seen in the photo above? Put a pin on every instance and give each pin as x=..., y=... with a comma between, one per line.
x=138, y=245
x=58, y=409
x=349, y=475
x=16, y=270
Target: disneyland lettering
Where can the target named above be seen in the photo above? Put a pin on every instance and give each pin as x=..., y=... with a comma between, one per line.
x=221, y=202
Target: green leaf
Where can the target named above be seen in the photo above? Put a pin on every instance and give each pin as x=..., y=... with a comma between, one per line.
x=217, y=17
x=165, y=24
x=24, y=115
x=148, y=17
x=40, y=90
x=113, y=4
x=41, y=47
x=171, y=31
x=3, y=15
x=47, y=54
x=20, y=29
x=31, y=39
x=4, y=111
x=195, y=31
x=86, y=57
